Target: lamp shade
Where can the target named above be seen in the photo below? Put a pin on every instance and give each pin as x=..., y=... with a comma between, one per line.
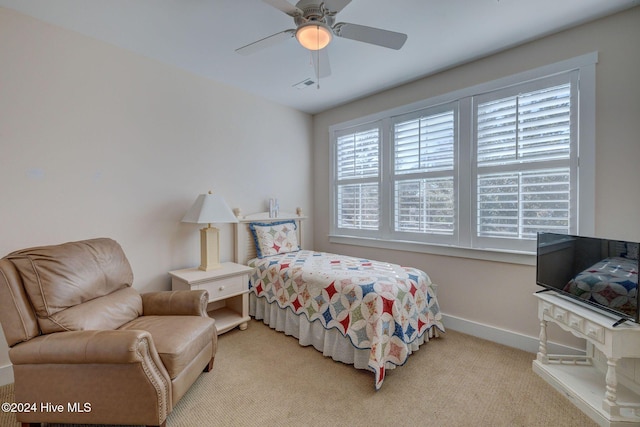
x=314, y=35
x=209, y=208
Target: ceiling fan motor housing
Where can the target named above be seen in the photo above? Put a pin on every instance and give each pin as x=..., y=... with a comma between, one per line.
x=311, y=11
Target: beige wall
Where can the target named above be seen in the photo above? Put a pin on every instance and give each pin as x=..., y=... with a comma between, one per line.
x=500, y=294
x=97, y=141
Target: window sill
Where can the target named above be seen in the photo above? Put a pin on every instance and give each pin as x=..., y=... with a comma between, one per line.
x=511, y=257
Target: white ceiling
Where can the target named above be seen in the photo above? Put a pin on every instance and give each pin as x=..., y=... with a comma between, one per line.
x=201, y=36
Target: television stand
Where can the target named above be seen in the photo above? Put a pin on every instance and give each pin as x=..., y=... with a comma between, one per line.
x=596, y=390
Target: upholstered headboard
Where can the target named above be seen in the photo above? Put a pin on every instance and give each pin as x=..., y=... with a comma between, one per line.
x=244, y=243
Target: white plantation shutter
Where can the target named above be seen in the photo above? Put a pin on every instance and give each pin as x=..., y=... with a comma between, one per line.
x=526, y=127
x=359, y=206
x=357, y=196
x=425, y=206
x=358, y=154
x=425, y=143
x=521, y=204
x=525, y=163
x=424, y=170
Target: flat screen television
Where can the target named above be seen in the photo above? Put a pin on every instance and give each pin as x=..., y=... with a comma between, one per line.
x=601, y=273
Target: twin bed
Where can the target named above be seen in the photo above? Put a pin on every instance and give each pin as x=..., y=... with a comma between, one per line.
x=370, y=314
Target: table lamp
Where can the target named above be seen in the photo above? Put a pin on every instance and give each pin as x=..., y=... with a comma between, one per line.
x=207, y=209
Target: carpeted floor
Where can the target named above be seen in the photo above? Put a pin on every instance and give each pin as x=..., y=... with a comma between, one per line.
x=264, y=378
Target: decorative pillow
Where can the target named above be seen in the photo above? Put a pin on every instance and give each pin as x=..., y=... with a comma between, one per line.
x=275, y=237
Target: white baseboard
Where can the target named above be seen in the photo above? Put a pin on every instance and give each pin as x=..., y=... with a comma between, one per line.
x=6, y=374
x=503, y=336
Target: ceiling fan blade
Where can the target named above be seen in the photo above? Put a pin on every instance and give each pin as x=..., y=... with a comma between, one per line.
x=336, y=6
x=321, y=65
x=285, y=7
x=365, y=34
x=266, y=42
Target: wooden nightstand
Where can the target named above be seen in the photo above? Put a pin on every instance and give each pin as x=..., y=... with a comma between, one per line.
x=228, y=292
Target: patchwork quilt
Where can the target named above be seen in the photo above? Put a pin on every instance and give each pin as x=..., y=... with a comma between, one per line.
x=378, y=306
x=612, y=282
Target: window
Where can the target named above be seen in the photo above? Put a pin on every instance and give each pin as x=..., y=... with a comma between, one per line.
x=357, y=177
x=525, y=162
x=485, y=168
x=424, y=173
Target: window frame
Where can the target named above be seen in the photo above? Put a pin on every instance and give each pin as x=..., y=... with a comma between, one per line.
x=585, y=160
x=336, y=182
x=572, y=77
x=395, y=177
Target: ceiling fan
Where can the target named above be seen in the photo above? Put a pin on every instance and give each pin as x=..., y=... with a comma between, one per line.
x=315, y=28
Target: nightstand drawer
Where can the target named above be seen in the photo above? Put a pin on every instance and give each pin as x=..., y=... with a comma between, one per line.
x=224, y=287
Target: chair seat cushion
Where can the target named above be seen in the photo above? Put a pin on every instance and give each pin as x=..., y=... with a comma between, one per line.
x=178, y=339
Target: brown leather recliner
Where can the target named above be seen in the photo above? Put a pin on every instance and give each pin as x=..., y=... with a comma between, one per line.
x=80, y=336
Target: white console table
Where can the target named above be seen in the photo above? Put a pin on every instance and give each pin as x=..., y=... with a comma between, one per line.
x=597, y=391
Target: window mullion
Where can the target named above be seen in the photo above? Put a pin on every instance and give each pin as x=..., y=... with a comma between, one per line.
x=386, y=178
x=466, y=172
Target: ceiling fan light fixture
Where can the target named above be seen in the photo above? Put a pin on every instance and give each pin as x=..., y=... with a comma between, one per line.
x=314, y=35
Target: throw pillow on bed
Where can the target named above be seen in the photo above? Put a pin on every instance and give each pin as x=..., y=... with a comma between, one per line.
x=275, y=238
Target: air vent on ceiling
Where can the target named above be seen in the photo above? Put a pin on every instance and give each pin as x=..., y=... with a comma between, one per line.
x=304, y=84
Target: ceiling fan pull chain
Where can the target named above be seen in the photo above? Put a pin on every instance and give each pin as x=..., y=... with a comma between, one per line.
x=318, y=62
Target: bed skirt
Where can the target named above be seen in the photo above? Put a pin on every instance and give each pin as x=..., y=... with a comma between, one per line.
x=328, y=341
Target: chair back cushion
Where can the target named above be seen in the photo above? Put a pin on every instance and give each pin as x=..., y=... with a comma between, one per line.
x=106, y=312
x=59, y=280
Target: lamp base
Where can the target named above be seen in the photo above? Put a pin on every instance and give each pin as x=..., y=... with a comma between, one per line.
x=209, y=249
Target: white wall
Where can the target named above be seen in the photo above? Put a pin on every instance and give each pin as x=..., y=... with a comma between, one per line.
x=498, y=294
x=97, y=141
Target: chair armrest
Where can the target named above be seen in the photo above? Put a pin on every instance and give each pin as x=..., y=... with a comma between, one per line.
x=119, y=371
x=81, y=347
x=175, y=303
